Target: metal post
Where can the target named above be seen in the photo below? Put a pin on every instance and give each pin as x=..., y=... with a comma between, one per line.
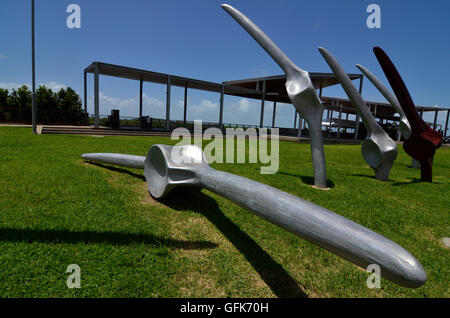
x=261, y=122
x=33, y=66
x=435, y=119
x=361, y=84
x=446, y=123
x=320, y=92
x=339, y=123
x=96, y=95
x=295, y=118
x=185, y=104
x=85, y=92
x=168, y=103
x=222, y=95
x=274, y=112
x=300, y=124
x=356, y=127
x=421, y=112
x=141, y=82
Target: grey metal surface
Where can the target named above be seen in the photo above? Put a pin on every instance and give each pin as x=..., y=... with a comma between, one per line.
x=167, y=167
x=300, y=90
x=378, y=150
x=130, y=161
x=405, y=127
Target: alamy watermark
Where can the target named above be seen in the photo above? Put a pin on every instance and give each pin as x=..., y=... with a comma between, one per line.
x=234, y=139
x=74, y=19
x=374, y=19
x=374, y=279
x=74, y=279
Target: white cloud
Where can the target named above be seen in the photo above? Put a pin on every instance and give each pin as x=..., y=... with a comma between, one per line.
x=53, y=85
x=11, y=86
x=244, y=105
x=2, y=56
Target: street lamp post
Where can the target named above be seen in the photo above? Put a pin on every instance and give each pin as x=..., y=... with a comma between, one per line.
x=33, y=98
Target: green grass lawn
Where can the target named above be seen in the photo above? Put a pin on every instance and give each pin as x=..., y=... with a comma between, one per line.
x=56, y=210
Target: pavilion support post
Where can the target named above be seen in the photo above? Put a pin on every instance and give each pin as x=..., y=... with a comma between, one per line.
x=263, y=97
x=435, y=119
x=320, y=92
x=295, y=119
x=300, y=124
x=356, y=127
x=361, y=84
x=168, y=103
x=222, y=96
x=185, y=105
x=141, y=84
x=85, y=92
x=446, y=123
x=421, y=112
x=96, y=96
x=275, y=111
x=339, y=123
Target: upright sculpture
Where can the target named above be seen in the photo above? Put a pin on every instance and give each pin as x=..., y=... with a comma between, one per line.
x=424, y=140
x=166, y=167
x=300, y=91
x=379, y=150
x=405, y=127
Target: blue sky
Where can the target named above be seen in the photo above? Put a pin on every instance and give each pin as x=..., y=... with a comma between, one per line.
x=196, y=38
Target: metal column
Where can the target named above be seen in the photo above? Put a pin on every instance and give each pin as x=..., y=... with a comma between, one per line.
x=185, y=105
x=222, y=95
x=435, y=119
x=295, y=119
x=261, y=122
x=96, y=95
x=140, y=97
x=274, y=112
x=339, y=123
x=168, y=104
x=446, y=123
x=355, y=137
x=85, y=92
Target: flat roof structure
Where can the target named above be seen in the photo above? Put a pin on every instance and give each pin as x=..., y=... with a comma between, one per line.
x=271, y=88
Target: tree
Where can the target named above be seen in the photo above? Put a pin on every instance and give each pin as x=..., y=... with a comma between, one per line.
x=68, y=100
x=4, y=97
x=45, y=98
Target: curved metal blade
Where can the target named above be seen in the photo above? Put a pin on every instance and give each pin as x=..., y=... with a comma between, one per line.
x=267, y=44
x=405, y=128
x=130, y=161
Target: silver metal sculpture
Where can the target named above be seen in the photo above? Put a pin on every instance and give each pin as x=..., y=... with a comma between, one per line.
x=166, y=167
x=378, y=150
x=405, y=127
x=300, y=91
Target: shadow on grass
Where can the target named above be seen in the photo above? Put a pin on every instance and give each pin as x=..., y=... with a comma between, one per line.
x=114, y=238
x=182, y=199
x=116, y=169
x=305, y=179
x=273, y=274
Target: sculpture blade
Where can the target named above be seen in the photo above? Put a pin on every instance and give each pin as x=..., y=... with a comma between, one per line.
x=266, y=43
x=130, y=161
x=405, y=127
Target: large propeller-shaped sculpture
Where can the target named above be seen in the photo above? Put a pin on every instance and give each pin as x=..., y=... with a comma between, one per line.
x=424, y=140
x=300, y=91
x=379, y=150
x=166, y=167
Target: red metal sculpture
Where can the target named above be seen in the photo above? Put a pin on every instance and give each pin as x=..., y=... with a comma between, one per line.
x=424, y=140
